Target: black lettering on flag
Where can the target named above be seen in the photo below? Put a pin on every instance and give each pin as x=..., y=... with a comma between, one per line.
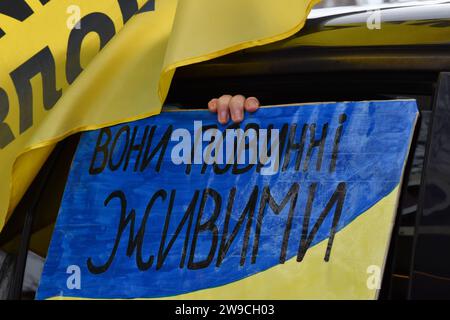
x=148, y=6
x=41, y=63
x=6, y=134
x=96, y=22
x=130, y=7
x=16, y=9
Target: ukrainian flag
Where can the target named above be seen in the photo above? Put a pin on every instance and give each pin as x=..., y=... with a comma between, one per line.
x=74, y=65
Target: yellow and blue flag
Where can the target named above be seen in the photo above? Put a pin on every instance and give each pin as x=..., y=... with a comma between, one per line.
x=68, y=66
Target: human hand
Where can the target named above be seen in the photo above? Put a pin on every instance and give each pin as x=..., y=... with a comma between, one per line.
x=228, y=105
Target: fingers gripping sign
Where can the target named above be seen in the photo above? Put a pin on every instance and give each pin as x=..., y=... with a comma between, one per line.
x=233, y=107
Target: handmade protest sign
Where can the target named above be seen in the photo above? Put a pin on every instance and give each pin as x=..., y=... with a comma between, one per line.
x=296, y=202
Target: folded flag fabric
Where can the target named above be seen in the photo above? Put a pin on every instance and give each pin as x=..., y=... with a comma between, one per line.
x=68, y=66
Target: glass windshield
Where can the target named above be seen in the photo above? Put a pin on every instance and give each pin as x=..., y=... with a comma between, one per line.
x=342, y=3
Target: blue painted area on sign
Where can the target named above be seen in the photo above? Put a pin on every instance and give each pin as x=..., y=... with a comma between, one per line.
x=139, y=223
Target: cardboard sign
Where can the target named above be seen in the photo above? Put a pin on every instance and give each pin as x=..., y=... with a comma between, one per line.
x=296, y=202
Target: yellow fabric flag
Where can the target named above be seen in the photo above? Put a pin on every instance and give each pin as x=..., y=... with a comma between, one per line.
x=55, y=80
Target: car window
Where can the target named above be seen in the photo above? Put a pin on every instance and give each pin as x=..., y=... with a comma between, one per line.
x=333, y=7
x=342, y=3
